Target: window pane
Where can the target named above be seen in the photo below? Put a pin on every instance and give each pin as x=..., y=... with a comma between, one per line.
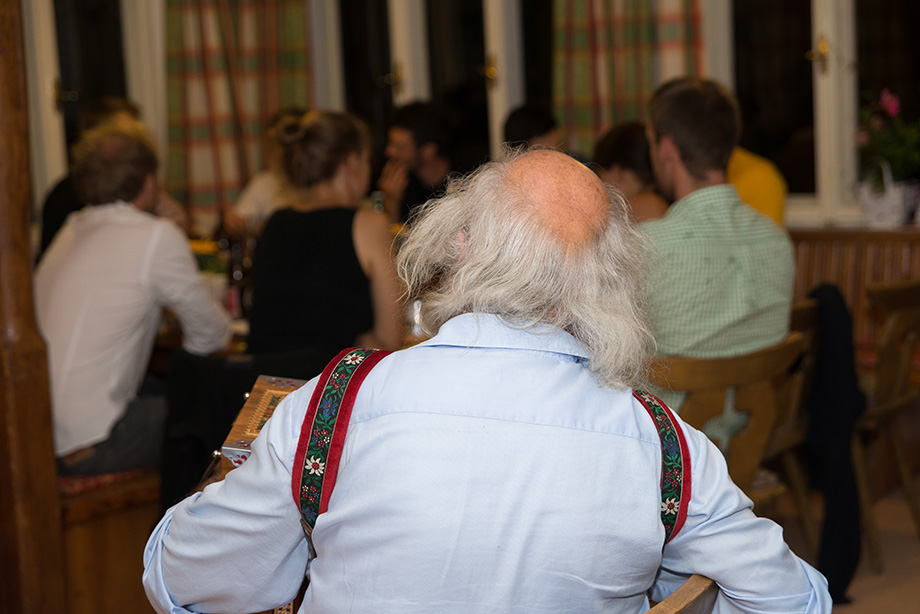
x=888, y=51
x=774, y=85
x=888, y=48
x=537, y=32
x=456, y=44
x=366, y=59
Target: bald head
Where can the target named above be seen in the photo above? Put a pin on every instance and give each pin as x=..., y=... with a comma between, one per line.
x=534, y=237
x=568, y=199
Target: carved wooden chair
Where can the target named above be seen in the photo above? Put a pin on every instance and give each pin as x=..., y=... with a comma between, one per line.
x=791, y=430
x=695, y=596
x=754, y=377
x=890, y=394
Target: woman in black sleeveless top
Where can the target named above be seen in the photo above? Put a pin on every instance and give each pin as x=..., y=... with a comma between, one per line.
x=323, y=277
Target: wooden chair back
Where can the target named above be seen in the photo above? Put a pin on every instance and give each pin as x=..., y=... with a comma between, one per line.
x=889, y=393
x=896, y=344
x=754, y=377
x=695, y=596
x=791, y=393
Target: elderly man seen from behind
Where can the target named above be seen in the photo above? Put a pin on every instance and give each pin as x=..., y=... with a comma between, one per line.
x=504, y=465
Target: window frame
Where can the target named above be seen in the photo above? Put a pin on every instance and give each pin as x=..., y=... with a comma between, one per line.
x=835, y=105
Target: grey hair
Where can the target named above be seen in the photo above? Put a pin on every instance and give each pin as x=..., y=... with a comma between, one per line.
x=482, y=248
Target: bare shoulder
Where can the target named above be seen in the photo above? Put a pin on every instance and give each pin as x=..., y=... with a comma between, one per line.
x=372, y=238
x=371, y=225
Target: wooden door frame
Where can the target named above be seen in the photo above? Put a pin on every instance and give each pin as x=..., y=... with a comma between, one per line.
x=30, y=530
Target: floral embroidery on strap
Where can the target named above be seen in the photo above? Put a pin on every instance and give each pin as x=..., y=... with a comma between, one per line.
x=675, y=465
x=324, y=433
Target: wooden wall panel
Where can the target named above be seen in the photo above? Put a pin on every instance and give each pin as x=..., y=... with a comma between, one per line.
x=30, y=513
x=853, y=259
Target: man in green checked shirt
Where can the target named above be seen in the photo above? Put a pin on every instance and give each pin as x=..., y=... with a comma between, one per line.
x=722, y=276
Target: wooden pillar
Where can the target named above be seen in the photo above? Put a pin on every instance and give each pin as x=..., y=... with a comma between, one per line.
x=30, y=512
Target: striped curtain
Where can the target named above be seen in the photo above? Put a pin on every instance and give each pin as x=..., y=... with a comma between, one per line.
x=609, y=55
x=230, y=65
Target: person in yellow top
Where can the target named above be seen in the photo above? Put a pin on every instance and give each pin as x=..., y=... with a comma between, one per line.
x=759, y=183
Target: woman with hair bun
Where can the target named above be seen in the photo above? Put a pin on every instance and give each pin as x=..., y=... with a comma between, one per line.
x=323, y=277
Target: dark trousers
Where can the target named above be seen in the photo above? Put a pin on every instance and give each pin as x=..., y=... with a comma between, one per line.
x=136, y=440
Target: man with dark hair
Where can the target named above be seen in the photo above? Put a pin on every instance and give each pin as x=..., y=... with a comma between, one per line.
x=722, y=274
x=99, y=293
x=63, y=200
x=418, y=158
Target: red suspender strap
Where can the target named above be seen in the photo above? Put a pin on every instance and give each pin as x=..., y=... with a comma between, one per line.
x=675, y=464
x=322, y=435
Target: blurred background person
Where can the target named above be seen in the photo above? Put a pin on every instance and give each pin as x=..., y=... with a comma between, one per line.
x=532, y=124
x=63, y=200
x=323, y=276
x=759, y=182
x=268, y=189
x=99, y=293
x=418, y=158
x=621, y=158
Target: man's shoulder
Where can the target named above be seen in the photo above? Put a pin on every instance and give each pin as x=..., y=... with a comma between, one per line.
x=712, y=212
x=660, y=229
x=752, y=222
x=676, y=228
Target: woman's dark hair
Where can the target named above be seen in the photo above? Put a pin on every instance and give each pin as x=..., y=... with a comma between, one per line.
x=317, y=143
x=626, y=146
x=526, y=122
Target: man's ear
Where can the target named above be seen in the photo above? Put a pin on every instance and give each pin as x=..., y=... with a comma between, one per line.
x=149, y=194
x=667, y=150
x=352, y=160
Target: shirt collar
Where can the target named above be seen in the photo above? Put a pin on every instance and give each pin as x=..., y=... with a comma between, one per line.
x=722, y=196
x=491, y=331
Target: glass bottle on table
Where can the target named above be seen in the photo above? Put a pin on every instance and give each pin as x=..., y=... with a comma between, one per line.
x=231, y=252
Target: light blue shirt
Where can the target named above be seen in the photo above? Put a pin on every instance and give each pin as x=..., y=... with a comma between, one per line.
x=484, y=470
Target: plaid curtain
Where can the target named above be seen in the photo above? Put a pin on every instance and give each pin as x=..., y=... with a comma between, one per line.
x=230, y=65
x=609, y=55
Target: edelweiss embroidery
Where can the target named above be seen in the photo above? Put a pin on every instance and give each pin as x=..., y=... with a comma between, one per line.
x=672, y=464
x=318, y=458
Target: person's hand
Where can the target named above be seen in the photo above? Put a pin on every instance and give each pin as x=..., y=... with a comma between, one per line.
x=168, y=207
x=234, y=223
x=394, y=177
x=393, y=180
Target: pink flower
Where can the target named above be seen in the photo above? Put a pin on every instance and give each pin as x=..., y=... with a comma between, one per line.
x=862, y=137
x=889, y=103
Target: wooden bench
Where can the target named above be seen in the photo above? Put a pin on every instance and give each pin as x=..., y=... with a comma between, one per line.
x=106, y=522
x=852, y=260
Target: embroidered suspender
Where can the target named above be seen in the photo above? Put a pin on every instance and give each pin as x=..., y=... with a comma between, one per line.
x=675, y=464
x=322, y=435
x=322, y=438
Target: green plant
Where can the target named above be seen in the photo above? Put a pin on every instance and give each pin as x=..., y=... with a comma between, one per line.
x=884, y=135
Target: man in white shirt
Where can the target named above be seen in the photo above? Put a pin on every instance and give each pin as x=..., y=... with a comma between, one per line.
x=505, y=464
x=100, y=292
